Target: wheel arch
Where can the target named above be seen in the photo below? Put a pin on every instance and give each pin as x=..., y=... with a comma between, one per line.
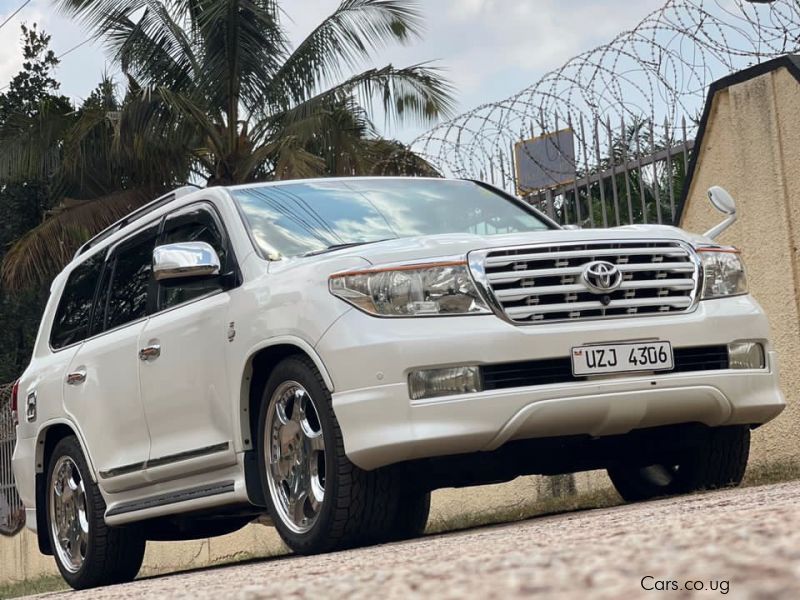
x=261, y=361
x=49, y=435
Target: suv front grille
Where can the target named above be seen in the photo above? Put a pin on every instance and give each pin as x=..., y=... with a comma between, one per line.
x=559, y=370
x=543, y=283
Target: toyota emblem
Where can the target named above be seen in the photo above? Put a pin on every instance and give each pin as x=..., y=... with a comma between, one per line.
x=601, y=277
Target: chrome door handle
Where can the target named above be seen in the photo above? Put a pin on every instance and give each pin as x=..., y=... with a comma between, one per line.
x=76, y=377
x=150, y=352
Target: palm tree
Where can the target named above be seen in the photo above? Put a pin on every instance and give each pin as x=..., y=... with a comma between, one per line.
x=216, y=90
x=262, y=108
x=101, y=161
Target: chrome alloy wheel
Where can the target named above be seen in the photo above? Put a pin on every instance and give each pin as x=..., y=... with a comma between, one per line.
x=69, y=522
x=294, y=449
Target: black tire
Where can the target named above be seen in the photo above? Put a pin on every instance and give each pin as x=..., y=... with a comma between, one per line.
x=411, y=516
x=358, y=505
x=112, y=554
x=718, y=461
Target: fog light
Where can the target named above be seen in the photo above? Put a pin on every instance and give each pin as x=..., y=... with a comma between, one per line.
x=432, y=383
x=746, y=355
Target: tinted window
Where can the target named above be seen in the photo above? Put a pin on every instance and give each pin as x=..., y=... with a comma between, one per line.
x=197, y=224
x=71, y=323
x=298, y=218
x=131, y=280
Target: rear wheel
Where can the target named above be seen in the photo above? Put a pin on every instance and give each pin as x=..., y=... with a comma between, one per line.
x=318, y=500
x=88, y=552
x=718, y=461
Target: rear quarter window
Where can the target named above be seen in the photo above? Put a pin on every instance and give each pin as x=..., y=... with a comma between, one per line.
x=71, y=323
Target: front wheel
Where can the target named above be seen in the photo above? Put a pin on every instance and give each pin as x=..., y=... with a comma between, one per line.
x=719, y=460
x=318, y=500
x=88, y=552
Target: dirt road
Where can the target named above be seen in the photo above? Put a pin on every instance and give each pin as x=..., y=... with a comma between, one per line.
x=740, y=543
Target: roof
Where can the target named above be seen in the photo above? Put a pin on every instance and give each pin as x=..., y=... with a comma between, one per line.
x=790, y=61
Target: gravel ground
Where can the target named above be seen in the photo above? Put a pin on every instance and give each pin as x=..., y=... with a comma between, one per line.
x=744, y=542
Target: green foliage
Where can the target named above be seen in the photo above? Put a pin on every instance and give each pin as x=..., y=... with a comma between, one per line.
x=642, y=194
x=24, y=203
x=34, y=84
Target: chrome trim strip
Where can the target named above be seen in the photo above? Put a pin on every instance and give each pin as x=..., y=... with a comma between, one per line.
x=165, y=460
x=195, y=493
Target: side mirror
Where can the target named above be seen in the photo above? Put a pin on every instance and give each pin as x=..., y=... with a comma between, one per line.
x=183, y=260
x=724, y=203
x=571, y=227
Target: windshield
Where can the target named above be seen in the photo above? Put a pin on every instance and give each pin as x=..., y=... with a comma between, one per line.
x=300, y=218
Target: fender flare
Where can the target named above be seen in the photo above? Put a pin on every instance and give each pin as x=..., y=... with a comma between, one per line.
x=291, y=340
x=42, y=434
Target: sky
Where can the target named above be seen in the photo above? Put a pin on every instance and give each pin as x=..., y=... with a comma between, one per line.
x=489, y=49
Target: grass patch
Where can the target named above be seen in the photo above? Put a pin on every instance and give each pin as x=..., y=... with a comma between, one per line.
x=602, y=498
x=772, y=472
x=40, y=585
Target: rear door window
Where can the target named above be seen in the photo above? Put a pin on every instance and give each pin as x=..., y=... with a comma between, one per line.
x=71, y=323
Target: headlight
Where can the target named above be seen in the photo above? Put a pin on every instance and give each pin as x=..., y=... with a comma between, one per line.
x=723, y=272
x=431, y=289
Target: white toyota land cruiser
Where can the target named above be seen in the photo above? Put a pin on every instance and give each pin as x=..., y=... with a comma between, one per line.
x=330, y=351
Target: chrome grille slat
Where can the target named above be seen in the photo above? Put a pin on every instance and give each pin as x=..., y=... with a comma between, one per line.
x=522, y=292
x=526, y=311
x=499, y=261
x=539, y=284
x=633, y=268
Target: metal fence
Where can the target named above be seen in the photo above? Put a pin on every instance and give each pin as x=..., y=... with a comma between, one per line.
x=12, y=513
x=601, y=175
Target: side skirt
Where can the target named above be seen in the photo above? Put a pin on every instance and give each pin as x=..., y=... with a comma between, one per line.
x=194, y=493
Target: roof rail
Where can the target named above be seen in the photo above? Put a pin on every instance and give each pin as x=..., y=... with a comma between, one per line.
x=137, y=214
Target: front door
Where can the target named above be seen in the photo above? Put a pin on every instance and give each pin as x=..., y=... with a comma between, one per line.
x=183, y=376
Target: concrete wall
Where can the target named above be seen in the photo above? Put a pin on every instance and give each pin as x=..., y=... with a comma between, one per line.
x=751, y=147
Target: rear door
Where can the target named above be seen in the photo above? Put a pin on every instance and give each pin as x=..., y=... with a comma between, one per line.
x=185, y=381
x=101, y=389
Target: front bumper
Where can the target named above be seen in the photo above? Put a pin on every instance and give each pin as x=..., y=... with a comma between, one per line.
x=369, y=360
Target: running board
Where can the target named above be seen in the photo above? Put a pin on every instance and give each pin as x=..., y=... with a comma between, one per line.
x=194, y=493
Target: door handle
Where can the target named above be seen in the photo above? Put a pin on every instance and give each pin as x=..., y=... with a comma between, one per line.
x=150, y=352
x=76, y=377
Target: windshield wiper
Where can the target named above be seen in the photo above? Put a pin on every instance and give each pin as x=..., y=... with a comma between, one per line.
x=341, y=246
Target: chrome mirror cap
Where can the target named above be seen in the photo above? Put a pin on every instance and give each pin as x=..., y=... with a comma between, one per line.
x=723, y=202
x=186, y=259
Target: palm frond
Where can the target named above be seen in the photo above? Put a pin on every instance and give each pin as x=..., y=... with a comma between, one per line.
x=391, y=158
x=43, y=251
x=29, y=144
x=346, y=37
x=416, y=93
x=154, y=49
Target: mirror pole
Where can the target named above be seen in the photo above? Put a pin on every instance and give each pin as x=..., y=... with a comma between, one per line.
x=718, y=229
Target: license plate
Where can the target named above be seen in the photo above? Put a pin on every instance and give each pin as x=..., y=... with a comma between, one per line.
x=622, y=358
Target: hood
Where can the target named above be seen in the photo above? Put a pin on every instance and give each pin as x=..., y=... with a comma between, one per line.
x=459, y=244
